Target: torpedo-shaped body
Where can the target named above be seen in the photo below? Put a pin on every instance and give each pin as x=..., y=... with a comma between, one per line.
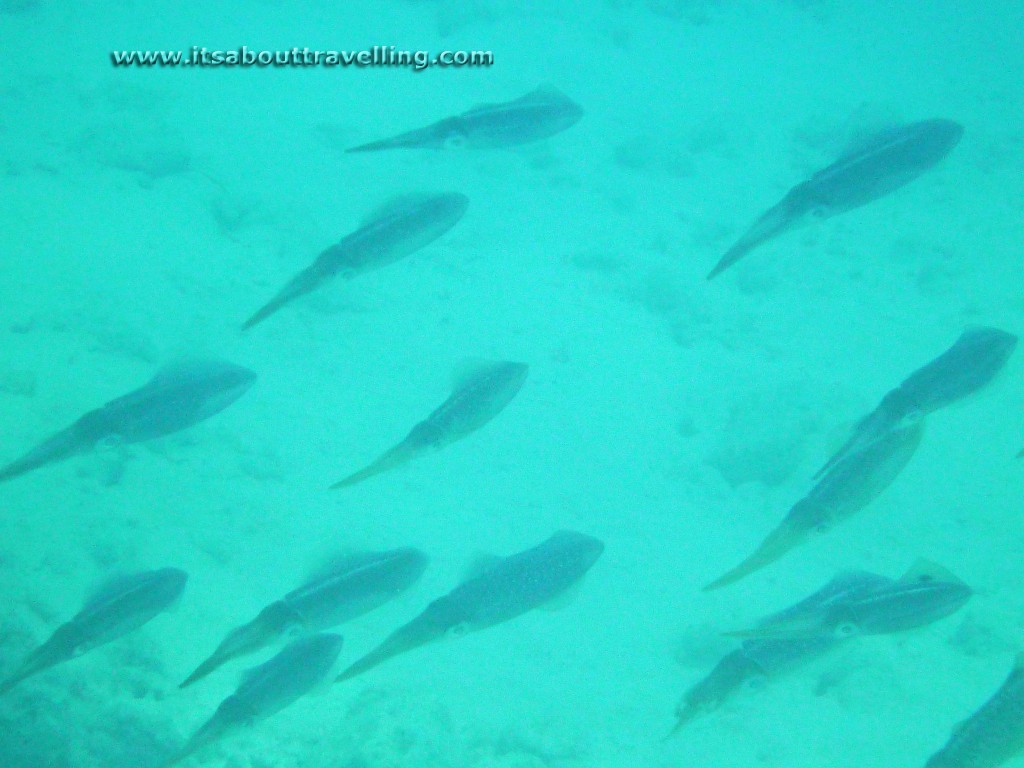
x=862, y=603
x=882, y=164
x=851, y=604
x=994, y=734
x=346, y=589
x=119, y=607
x=540, y=114
x=393, y=231
x=505, y=589
x=477, y=398
x=267, y=689
x=177, y=397
x=973, y=361
x=844, y=490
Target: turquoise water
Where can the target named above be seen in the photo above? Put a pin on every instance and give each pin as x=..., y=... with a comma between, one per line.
x=148, y=212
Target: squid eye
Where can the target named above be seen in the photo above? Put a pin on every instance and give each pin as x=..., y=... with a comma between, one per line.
x=756, y=683
x=846, y=629
x=458, y=630
x=455, y=140
x=819, y=212
x=823, y=527
x=110, y=443
x=912, y=417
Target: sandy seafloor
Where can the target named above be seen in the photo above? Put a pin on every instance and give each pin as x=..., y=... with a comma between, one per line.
x=146, y=213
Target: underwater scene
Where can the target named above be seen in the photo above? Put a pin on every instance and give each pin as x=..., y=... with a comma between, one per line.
x=511, y=384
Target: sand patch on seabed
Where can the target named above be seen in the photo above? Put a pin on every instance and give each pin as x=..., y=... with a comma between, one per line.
x=147, y=213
